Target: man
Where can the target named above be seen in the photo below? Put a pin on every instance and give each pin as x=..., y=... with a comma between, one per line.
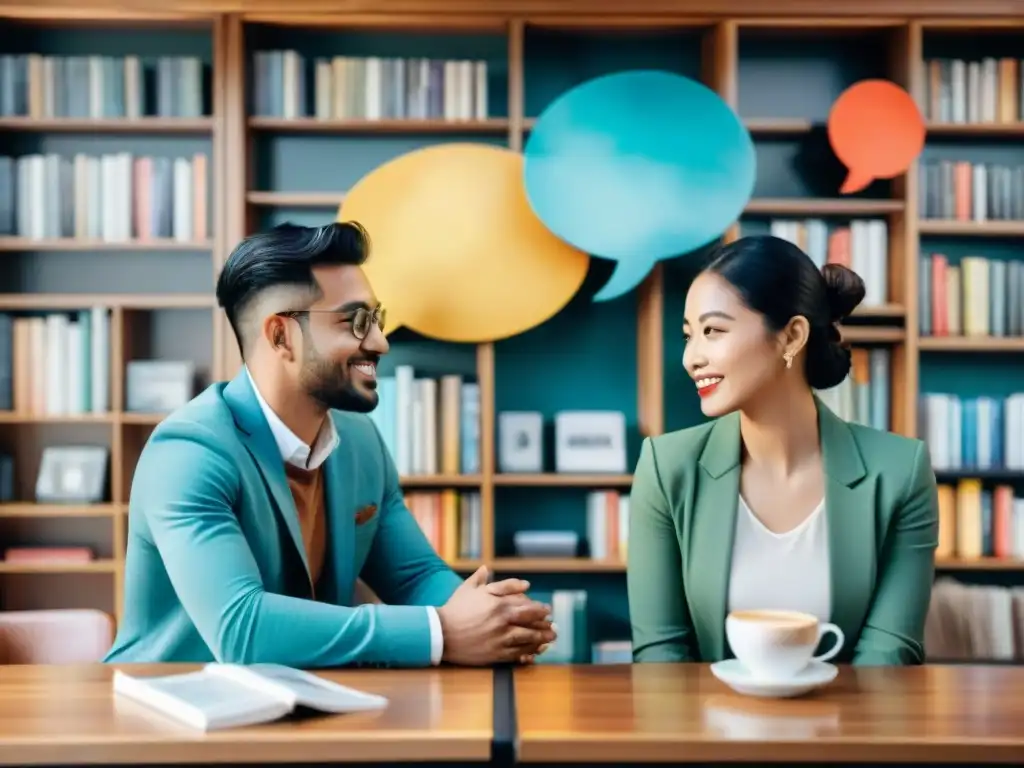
x=256, y=506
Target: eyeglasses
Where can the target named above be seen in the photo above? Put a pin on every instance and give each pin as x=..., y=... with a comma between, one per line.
x=362, y=319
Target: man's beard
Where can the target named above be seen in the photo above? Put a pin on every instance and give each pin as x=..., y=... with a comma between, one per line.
x=331, y=386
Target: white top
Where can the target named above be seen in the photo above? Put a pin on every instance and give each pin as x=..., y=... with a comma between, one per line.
x=295, y=452
x=781, y=571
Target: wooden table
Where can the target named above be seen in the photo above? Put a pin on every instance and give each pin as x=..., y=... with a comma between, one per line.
x=646, y=713
x=67, y=715
x=659, y=713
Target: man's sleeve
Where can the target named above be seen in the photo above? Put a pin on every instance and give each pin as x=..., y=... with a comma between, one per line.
x=402, y=567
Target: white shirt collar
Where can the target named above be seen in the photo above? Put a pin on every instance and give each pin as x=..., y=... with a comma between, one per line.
x=293, y=450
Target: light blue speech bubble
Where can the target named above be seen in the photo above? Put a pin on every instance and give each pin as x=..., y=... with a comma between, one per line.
x=637, y=167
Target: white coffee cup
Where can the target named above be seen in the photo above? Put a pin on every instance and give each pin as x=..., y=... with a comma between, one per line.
x=776, y=645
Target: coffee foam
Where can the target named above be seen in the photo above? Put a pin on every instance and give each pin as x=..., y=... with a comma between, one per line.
x=786, y=627
x=781, y=618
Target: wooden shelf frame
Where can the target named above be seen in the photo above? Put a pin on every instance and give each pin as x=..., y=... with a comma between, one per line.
x=807, y=14
x=235, y=202
x=143, y=125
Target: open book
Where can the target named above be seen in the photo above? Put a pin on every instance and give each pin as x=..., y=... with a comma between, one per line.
x=230, y=695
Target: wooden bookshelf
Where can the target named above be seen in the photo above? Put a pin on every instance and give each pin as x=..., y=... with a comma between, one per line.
x=972, y=228
x=980, y=564
x=245, y=197
x=527, y=565
x=156, y=290
x=165, y=125
x=296, y=199
x=892, y=324
x=555, y=480
x=22, y=244
x=972, y=344
x=823, y=206
x=409, y=126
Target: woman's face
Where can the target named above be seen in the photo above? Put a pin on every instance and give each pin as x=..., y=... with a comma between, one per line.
x=729, y=352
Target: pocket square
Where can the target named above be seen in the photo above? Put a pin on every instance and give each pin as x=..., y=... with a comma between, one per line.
x=365, y=513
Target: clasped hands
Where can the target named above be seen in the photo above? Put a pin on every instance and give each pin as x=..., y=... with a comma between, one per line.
x=486, y=623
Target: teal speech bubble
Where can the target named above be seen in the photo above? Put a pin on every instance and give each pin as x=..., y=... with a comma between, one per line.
x=637, y=167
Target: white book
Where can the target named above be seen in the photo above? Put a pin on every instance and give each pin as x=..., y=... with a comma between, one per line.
x=222, y=696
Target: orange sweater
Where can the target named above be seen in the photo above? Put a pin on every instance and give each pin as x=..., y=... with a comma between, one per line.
x=308, y=491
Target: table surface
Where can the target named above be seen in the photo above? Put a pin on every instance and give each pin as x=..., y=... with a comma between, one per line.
x=682, y=713
x=565, y=714
x=68, y=715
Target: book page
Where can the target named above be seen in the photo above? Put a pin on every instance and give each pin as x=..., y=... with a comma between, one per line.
x=317, y=693
x=203, y=700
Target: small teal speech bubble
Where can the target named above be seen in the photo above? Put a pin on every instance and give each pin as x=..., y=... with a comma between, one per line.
x=637, y=167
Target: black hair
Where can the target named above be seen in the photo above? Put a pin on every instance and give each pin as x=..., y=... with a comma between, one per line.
x=284, y=256
x=779, y=281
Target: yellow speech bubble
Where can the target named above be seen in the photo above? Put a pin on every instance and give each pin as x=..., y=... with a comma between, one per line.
x=457, y=253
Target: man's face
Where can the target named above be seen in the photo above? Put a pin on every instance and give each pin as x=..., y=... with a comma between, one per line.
x=339, y=369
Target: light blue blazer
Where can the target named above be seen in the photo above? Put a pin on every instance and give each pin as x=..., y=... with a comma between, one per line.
x=216, y=569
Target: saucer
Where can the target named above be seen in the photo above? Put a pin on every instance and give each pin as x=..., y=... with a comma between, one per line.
x=815, y=675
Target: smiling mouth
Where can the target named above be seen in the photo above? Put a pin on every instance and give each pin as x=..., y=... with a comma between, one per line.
x=368, y=370
x=707, y=385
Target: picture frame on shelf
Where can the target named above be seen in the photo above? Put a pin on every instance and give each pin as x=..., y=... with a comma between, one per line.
x=72, y=474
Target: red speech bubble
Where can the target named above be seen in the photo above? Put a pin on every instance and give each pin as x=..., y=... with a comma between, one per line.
x=876, y=130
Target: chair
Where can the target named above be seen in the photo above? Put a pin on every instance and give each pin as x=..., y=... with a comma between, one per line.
x=65, y=636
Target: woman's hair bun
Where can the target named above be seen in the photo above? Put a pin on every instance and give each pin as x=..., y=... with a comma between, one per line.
x=844, y=290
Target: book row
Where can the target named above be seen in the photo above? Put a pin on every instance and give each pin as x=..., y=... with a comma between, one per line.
x=286, y=84
x=958, y=190
x=973, y=433
x=39, y=85
x=100, y=87
x=450, y=520
x=862, y=245
x=429, y=425
x=974, y=622
x=608, y=525
x=986, y=90
x=109, y=198
x=863, y=396
x=56, y=364
x=977, y=297
x=975, y=521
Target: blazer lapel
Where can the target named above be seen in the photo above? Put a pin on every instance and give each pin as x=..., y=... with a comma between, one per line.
x=338, y=503
x=259, y=441
x=850, y=509
x=711, y=536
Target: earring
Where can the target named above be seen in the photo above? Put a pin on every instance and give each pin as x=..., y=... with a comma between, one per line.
x=788, y=357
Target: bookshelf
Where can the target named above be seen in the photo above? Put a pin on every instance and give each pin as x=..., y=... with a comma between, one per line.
x=624, y=355
x=133, y=284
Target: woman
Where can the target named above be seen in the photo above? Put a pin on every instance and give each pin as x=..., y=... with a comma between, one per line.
x=777, y=502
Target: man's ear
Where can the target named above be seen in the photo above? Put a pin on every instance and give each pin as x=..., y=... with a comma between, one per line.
x=277, y=331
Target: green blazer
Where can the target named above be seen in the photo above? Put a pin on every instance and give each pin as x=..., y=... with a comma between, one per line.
x=216, y=569
x=882, y=508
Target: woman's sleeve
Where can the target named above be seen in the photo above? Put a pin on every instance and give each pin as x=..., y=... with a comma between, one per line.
x=661, y=626
x=893, y=632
